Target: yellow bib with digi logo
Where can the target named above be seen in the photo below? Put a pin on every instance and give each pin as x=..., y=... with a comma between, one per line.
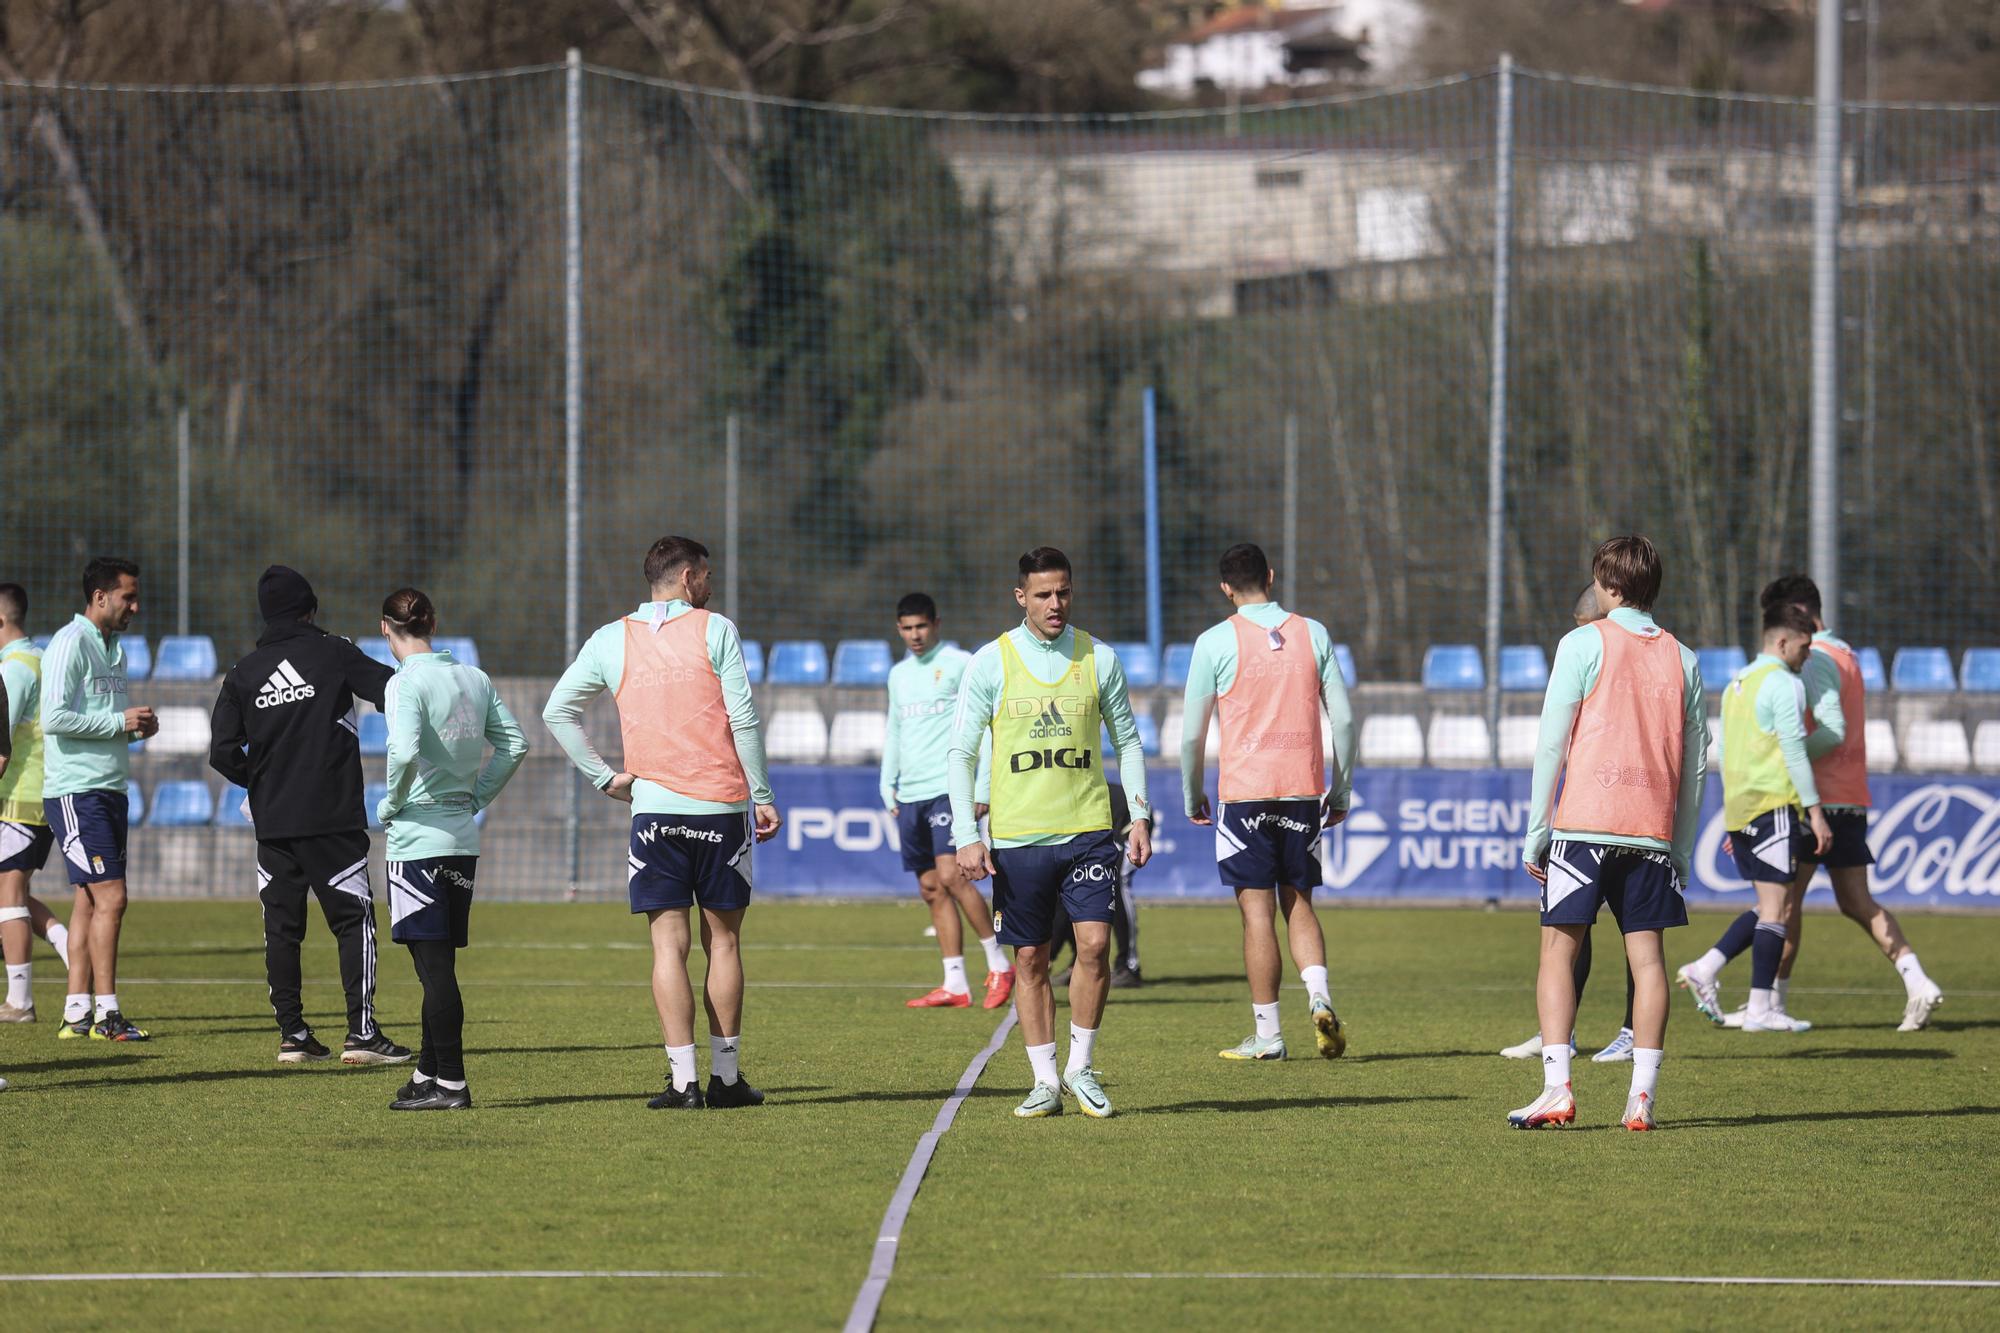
x=1047, y=781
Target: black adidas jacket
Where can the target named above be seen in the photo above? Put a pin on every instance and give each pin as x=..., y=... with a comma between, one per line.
x=291, y=702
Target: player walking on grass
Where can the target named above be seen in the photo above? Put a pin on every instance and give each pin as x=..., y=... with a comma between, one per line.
x=1771, y=809
x=284, y=729
x=88, y=726
x=1043, y=690
x=1624, y=718
x=24, y=831
x=923, y=695
x=1270, y=672
x=442, y=716
x=694, y=763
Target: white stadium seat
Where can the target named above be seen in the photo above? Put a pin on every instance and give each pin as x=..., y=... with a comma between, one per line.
x=1170, y=736
x=183, y=730
x=1518, y=736
x=1937, y=746
x=1881, y=738
x=796, y=736
x=858, y=737
x=1715, y=749
x=1986, y=747
x=1391, y=739
x=1459, y=740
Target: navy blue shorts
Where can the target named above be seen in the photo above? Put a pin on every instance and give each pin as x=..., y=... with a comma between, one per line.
x=1850, y=842
x=24, y=846
x=1268, y=845
x=924, y=829
x=1639, y=887
x=431, y=899
x=1769, y=851
x=678, y=861
x=90, y=827
x=1028, y=883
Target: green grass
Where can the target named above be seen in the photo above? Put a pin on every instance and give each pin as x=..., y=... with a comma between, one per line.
x=1852, y=1150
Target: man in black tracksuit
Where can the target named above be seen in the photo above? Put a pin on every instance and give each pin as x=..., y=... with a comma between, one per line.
x=291, y=702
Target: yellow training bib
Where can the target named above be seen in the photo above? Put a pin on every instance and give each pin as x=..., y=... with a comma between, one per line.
x=1047, y=781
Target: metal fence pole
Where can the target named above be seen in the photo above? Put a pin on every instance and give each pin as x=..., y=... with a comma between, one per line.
x=1496, y=411
x=731, y=519
x=1150, y=445
x=1824, y=532
x=1290, y=557
x=573, y=415
x=185, y=472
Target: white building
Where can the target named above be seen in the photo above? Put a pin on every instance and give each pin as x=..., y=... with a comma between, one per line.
x=1254, y=48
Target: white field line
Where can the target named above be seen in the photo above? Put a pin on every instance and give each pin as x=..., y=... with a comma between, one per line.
x=625, y=946
x=381, y=982
x=1672, y=1280
x=376, y=1274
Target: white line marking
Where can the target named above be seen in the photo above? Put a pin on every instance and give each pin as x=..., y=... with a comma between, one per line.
x=372, y=1274
x=868, y=1301
x=587, y=946
x=1976, y=1283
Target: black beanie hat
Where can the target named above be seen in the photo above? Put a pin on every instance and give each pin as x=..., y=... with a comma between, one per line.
x=284, y=594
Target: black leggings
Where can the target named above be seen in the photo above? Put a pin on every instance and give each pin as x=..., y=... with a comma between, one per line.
x=443, y=1053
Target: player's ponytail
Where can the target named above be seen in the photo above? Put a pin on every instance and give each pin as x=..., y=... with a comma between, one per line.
x=411, y=613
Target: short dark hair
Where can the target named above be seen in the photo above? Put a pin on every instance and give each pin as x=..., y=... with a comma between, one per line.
x=1245, y=569
x=1788, y=615
x=1044, y=560
x=1794, y=588
x=103, y=573
x=917, y=604
x=670, y=555
x=410, y=612
x=1630, y=567
x=14, y=602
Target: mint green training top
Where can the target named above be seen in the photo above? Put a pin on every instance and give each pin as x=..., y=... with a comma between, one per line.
x=24, y=687
x=601, y=665
x=1822, y=682
x=83, y=712
x=442, y=716
x=1211, y=673
x=979, y=703
x=1781, y=712
x=916, y=753
x=1572, y=676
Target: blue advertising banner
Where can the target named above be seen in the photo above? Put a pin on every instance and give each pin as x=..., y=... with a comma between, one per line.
x=1413, y=833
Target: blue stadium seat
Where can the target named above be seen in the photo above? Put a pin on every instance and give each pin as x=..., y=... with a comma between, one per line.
x=1922, y=671
x=462, y=648
x=1174, y=669
x=797, y=662
x=1719, y=666
x=229, y=807
x=42, y=641
x=1873, y=677
x=371, y=796
x=138, y=657
x=377, y=647
x=1453, y=666
x=1524, y=668
x=1345, y=656
x=137, y=747
x=374, y=734
x=753, y=661
x=1149, y=733
x=1142, y=668
x=1979, y=671
x=862, y=662
x=181, y=805
x=184, y=657
x=135, y=803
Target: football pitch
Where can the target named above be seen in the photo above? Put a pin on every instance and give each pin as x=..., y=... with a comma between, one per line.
x=1380, y=1188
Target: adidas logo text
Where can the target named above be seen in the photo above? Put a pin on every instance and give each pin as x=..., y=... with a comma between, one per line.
x=285, y=686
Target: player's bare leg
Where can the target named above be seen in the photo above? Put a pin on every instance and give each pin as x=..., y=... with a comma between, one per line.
x=76, y=1006
x=1089, y=984
x=955, y=992
x=1308, y=943
x=722, y=995
x=673, y=996
x=972, y=905
x=1645, y=957
x=1555, y=1009
x=1261, y=968
x=1857, y=904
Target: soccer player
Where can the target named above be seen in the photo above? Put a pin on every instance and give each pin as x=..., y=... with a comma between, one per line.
x=1624, y=715
x=442, y=716
x=24, y=831
x=1044, y=689
x=284, y=729
x=1270, y=671
x=923, y=694
x=87, y=727
x=694, y=764
x=1586, y=612
x=1768, y=793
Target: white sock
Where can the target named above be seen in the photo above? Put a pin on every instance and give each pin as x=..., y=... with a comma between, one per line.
x=59, y=940
x=106, y=1004
x=1709, y=965
x=954, y=976
x=1081, y=1041
x=1760, y=1002
x=996, y=957
x=1042, y=1059
x=722, y=1056
x=450, y=1086
x=1778, y=989
x=680, y=1064
x=1555, y=1064
x=1267, y=1019
x=420, y=1078
x=1316, y=987
x=20, y=985
x=1646, y=1071
x=76, y=1008
x=1912, y=972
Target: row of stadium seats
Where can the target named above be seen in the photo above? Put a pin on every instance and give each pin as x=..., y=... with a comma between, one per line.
x=192, y=656
x=192, y=804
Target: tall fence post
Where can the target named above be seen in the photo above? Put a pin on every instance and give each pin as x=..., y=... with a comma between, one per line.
x=185, y=471
x=1150, y=444
x=573, y=416
x=732, y=528
x=1496, y=407
x=1291, y=553
x=1823, y=538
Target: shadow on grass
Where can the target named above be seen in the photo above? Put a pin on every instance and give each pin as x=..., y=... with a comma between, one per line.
x=1837, y=1053
x=1412, y=1055
x=233, y=1075
x=1737, y=1121
x=15, y=1070
x=1282, y=1104
x=562, y=1050
x=637, y=1097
